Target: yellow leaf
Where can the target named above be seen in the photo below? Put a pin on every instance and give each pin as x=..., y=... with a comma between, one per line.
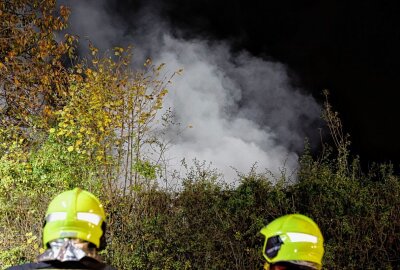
x=2, y=66
x=17, y=83
x=161, y=66
x=52, y=130
x=148, y=62
x=164, y=92
x=70, y=149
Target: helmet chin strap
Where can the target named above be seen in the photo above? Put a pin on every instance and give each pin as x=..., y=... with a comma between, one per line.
x=68, y=249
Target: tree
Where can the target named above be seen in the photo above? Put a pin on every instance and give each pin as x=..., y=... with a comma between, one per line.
x=67, y=121
x=32, y=75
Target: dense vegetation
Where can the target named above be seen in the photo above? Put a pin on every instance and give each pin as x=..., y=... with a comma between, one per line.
x=67, y=122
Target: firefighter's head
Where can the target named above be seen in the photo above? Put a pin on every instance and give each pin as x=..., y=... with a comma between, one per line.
x=293, y=242
x=75, y=214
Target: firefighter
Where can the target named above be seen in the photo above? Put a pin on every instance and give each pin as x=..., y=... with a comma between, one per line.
x=292, y=242
x=73, y=233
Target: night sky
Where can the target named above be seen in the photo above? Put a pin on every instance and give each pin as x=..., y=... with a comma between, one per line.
x=350, y=48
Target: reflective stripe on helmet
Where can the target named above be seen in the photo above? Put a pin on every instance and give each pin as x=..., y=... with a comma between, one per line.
x=89, y=217
x=56, y=216
x=302, y=237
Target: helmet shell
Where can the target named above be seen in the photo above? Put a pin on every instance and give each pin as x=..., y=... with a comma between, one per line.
x=293, y=237
x=74, y=214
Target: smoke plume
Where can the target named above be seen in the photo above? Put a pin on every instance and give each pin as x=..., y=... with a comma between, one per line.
x=235, y=109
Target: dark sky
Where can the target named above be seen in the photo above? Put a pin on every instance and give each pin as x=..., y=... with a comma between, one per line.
x=350, y=48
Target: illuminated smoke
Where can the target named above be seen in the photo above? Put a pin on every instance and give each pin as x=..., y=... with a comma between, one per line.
x=241, y=109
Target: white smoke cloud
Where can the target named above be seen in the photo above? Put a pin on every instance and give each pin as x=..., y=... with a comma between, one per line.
x=242, y=109
x=206, y=97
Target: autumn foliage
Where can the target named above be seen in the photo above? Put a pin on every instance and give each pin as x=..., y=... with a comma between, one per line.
x=94, y=122
x=34, y=79
x=67, y=121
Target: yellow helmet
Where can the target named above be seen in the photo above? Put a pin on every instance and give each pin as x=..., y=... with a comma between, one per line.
x=293, y=238
x=75, y=214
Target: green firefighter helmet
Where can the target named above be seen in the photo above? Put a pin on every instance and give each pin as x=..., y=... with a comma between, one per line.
x=74, y=214
x=293, y=238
